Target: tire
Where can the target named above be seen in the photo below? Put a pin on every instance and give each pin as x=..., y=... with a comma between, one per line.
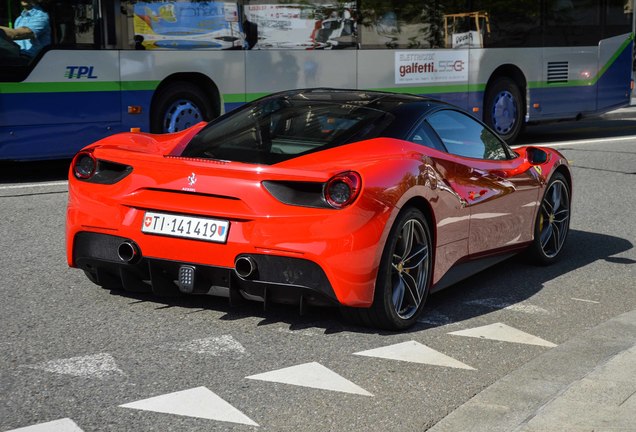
x=179, y=106
x=552, y=224
x=404, y=276
x=504, y=108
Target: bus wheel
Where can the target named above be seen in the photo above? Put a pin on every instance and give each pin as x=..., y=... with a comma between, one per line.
x=503, y=108
x=179, y=106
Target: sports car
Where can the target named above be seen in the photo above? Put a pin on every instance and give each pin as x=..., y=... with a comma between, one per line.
x=365, y=200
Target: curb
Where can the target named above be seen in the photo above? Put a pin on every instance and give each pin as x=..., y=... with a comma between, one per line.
x=521, y=400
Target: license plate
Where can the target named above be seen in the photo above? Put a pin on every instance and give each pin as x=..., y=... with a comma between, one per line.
x=198, y=228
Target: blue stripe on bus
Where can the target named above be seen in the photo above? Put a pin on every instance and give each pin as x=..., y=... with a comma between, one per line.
x=57, y=141
x=232, y=106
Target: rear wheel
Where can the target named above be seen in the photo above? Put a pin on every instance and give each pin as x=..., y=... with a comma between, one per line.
x=504, y=108
x=404, y=276
x=179, y=106
x=553, y=222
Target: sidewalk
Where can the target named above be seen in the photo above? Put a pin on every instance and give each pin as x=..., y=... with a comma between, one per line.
x=586, y=384
x=621, y=112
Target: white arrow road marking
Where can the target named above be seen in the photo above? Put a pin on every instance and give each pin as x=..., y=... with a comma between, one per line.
x=215, y=346
x=100, y=365
x=62, y=425
x=312, y=375
x=502, y=332
x=199, y=402
x=414, y=352
x=495, y=303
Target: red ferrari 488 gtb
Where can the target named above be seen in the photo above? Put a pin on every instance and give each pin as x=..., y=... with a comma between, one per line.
x=361, y=199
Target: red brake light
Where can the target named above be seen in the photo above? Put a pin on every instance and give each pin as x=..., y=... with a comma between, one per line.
x=342, y=189
x=84, y=165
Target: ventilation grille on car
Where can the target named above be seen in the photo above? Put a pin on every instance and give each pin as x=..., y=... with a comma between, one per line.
x=558, y=72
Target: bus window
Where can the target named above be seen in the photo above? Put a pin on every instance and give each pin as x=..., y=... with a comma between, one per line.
x=313, y=25
x=512, y=24
x=73, y=23
x=573, y=22
x=72, y=26
x=185, y=25
x=618, y=16
x=17, y=48
x=404, y=24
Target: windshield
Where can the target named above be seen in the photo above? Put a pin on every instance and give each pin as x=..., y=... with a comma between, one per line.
x=280, y=128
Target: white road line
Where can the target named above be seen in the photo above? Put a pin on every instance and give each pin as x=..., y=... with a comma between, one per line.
x=414, y=352
x=313, y=375
x=35, y=185
x=199, y=402
x=585, y=301
x=580, y=142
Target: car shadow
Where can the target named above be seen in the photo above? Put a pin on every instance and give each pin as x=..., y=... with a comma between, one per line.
x=592, y=128
x=504, y=285
x=513, y=281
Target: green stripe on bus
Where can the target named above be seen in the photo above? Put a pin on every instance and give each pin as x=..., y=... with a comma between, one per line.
x=455, y=88
x=59, y=87
x=429, y=90
x=140, y=85
x=76, y=87
x=234, y=98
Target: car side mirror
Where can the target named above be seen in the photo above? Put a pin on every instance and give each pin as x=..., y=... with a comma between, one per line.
x=536, y=156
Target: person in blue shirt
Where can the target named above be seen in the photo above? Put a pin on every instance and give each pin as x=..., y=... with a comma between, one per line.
x=31, y=30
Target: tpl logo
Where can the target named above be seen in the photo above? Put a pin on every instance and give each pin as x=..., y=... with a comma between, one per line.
x=80, y=72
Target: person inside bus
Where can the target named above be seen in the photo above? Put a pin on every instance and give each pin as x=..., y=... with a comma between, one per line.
x=10, y=53
x=31, y=30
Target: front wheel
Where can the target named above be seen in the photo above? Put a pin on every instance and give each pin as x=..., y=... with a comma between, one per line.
x=553, y=222
x=504, y=108
x=404, y=275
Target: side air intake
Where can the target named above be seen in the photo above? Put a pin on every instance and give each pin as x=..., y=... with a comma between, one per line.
x=558, y=72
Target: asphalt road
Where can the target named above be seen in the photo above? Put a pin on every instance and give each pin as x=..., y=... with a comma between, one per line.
x=81, y=358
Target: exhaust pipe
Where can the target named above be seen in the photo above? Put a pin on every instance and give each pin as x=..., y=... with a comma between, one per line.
x=245, y=267
x=129, y=252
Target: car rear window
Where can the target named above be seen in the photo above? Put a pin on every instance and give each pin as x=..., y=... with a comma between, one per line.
x=277, y=129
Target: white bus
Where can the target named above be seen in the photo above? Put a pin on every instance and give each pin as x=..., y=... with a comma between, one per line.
x=161, y=66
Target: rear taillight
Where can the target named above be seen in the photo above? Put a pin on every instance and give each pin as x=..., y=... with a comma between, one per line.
x=342, y=189
x=87, y=168
x=84, y=165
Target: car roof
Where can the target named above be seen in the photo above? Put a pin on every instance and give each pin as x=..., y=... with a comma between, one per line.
x=379, y=100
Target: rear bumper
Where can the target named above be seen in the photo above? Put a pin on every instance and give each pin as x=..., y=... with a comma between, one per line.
x=278, y=279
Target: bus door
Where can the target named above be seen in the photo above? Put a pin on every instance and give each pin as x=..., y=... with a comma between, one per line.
x=615, y=64
x=69, y=88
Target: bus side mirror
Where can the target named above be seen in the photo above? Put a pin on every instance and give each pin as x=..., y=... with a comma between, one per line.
x=536, y=156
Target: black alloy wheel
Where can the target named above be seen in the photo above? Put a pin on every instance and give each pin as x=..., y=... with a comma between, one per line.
x=553, y=222
x=404, y=276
